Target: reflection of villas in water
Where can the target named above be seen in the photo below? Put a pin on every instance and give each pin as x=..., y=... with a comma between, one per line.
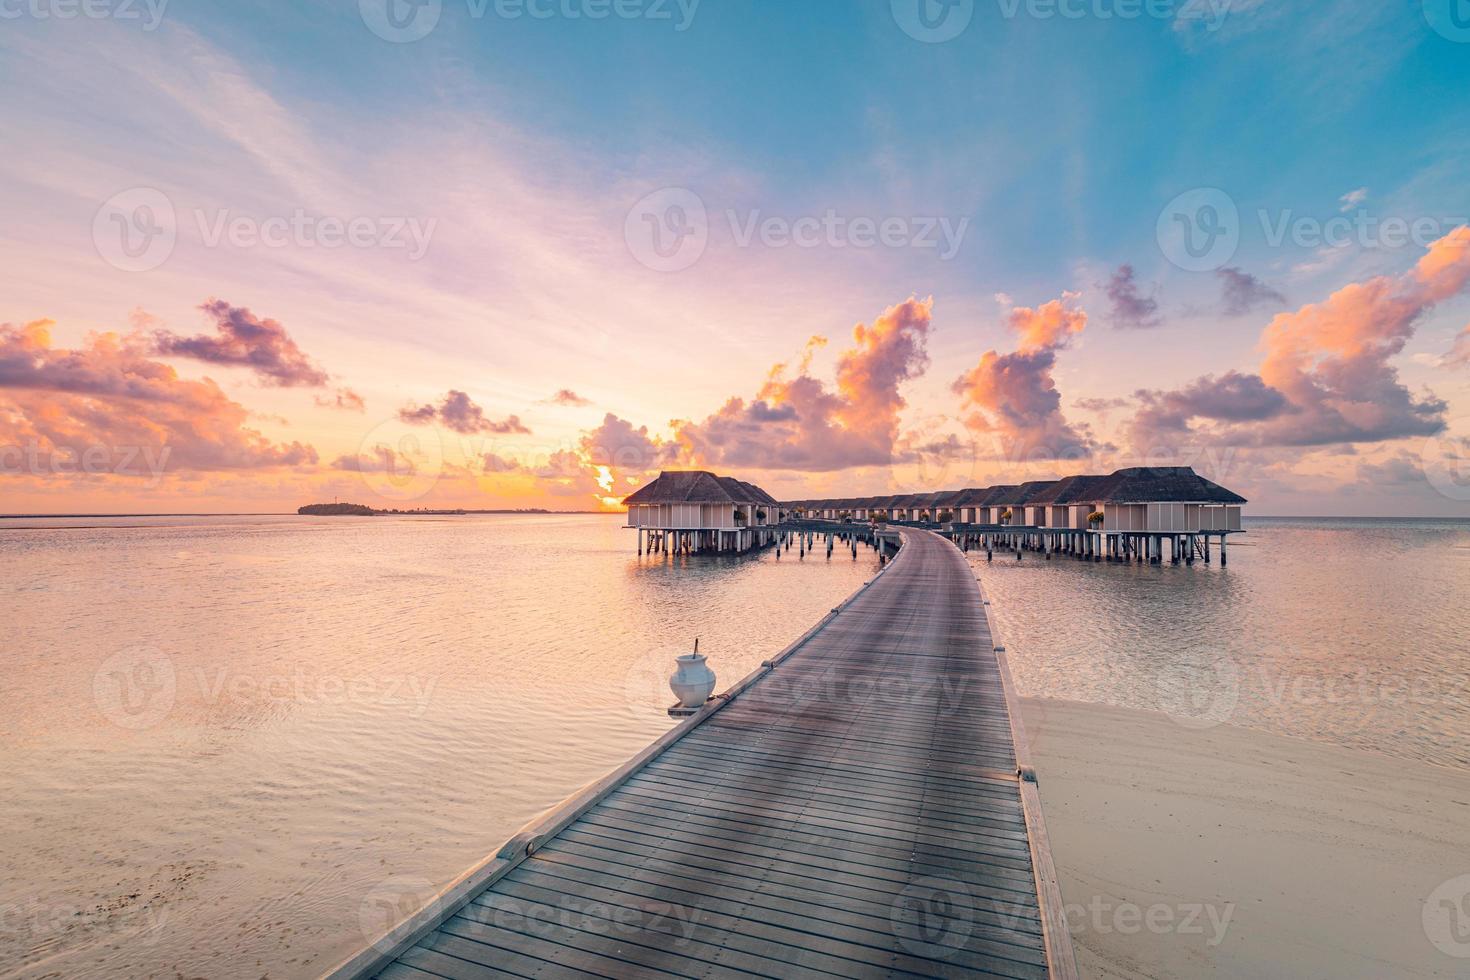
x=693, y=510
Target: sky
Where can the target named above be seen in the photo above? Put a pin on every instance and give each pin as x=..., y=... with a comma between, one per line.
x=527, y=253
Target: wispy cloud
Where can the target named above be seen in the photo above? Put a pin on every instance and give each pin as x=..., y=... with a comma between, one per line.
x=1352, y=199
x=459, y=413
x=1242, y=292
x=242, y=339
x=1130, y=307
x=569, y=398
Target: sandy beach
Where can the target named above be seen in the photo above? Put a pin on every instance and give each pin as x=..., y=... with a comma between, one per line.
x=1228, y=852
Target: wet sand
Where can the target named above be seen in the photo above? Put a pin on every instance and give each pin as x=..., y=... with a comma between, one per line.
x=1226, y=852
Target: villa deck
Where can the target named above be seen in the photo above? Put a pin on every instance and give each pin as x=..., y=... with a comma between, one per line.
x=851, y=809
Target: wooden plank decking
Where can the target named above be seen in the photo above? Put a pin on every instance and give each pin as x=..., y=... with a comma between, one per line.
x=853, y=810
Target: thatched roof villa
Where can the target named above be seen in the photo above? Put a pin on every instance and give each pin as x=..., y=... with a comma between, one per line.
x=695, y=510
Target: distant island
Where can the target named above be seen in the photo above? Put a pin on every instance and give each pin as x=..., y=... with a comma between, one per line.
x=336, y=510
x=362, y=510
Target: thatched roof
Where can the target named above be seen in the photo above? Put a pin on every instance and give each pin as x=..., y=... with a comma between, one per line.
x=1139, y=484
x=752, y=493
x=697, y=487
x=973, y=497
x=1073, y=490
x=994, y=495
x=1164, y=484
x=1024, y=493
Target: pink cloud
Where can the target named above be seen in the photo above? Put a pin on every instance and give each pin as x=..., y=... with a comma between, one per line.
x=1459, y=353
x=345, y=399
x=569, y=398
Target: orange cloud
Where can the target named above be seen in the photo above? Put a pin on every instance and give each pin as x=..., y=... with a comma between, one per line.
x=1325, y=375
x=108, y=401
x=801, y=424
x=1049, y=326
x=1015, y=396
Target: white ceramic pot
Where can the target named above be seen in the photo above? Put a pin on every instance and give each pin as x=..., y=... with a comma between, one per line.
x=693, y=682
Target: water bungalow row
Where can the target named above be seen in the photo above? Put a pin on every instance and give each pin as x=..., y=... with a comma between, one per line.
x=1132, y=514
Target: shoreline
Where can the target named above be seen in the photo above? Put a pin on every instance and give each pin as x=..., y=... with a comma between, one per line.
x=1231, y=852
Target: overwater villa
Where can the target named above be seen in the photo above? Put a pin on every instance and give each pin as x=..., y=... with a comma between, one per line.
x=694, y=510
x=1129, y=514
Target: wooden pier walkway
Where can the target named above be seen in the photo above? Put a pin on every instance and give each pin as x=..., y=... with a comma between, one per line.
x=851, y=809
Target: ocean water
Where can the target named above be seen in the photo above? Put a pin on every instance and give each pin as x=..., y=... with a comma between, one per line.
x=1349, y=631
x=243, y=747
x=239, y=747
